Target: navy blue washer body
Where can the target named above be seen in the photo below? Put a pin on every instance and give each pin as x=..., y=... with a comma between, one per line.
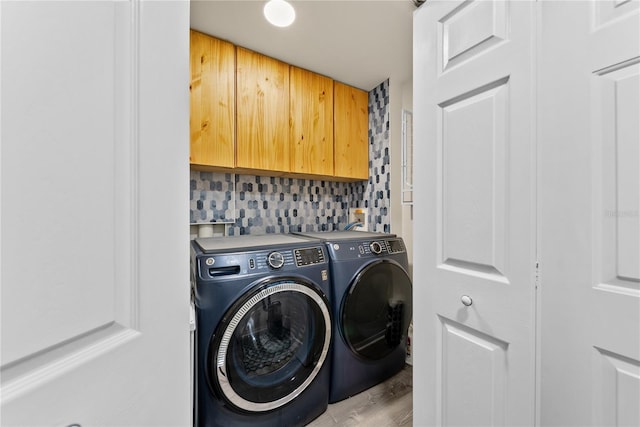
x=263, y=331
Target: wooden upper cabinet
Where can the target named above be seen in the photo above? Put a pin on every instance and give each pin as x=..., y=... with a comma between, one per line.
x=351, y=132
x=212, y=101
x=253, y=113
x=311, y=122
x=262, y=112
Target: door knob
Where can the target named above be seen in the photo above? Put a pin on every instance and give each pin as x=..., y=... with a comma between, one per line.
x=466, y=300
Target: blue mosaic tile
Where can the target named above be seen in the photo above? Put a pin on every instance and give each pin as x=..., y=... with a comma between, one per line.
x=211, y=197
x=277, y=205
x=376, y=198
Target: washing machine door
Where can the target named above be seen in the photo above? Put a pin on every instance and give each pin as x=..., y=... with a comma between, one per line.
x=376, y=310
x=270, y=345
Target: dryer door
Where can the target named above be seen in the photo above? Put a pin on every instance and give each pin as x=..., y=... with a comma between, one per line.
x=270, y=345
x=376, y=310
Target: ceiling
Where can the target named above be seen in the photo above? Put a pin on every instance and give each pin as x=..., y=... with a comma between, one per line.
x=358, y=42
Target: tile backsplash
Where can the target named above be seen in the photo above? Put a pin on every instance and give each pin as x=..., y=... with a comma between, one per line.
x=259, y=204
x=378, y=197
x=212, y=197
x=268, y=204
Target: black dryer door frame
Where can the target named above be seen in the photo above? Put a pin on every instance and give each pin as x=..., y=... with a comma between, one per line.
x=376, y=310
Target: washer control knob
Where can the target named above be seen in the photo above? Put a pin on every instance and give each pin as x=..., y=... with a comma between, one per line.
x=376, y=248
x=275, y=260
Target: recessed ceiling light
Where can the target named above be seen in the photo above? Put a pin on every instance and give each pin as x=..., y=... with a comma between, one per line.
x=279, y=13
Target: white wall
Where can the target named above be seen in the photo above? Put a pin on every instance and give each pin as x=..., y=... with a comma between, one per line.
x=400, y=97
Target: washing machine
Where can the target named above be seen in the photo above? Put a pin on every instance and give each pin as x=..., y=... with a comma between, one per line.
x=263, y=330
x=371, y=305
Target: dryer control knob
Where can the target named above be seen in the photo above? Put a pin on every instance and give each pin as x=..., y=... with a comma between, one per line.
x=376, y=248
x=275, y=260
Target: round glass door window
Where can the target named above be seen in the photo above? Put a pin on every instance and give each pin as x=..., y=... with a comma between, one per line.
x=271, y=345
x=376, y=310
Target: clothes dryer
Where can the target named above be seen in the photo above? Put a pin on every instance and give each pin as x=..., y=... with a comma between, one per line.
x=371, y=299
x=263, y=330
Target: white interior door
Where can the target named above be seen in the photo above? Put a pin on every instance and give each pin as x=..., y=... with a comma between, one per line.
x=589, y=187
x=474, y=247
x=95, y=285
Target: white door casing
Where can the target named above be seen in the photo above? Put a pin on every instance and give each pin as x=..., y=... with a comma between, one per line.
x=474, y=155
x=95, y=285
x=589, y=203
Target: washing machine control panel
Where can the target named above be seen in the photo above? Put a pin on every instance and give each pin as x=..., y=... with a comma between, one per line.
x=279, y=259
x=261, y=261
x=276, y=259
x=309, y=256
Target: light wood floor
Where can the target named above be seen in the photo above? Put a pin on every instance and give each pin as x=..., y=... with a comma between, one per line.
x=386, y=405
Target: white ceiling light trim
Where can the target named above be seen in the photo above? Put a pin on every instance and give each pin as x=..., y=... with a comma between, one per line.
x=279, y=13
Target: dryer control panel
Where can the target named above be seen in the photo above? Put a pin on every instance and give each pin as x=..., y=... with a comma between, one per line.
x=382, y=247
x=344, y=250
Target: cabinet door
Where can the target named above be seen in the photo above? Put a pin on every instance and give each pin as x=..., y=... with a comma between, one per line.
x=351, y=132
x=212, y=101
x=262, y=112
x=311, y=122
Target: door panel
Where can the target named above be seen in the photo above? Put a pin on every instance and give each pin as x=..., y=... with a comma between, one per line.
x=470, y=29
x=473, y=364
x=589, y=185
x=606, y=12
x=617, y=380
x=47, y=303
x=473, y=126
x=93, y=142
x=473, y=140
x=615, y=135
x=616, y=90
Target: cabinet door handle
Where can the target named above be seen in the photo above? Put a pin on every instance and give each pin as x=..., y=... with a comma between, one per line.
x=466, y=300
